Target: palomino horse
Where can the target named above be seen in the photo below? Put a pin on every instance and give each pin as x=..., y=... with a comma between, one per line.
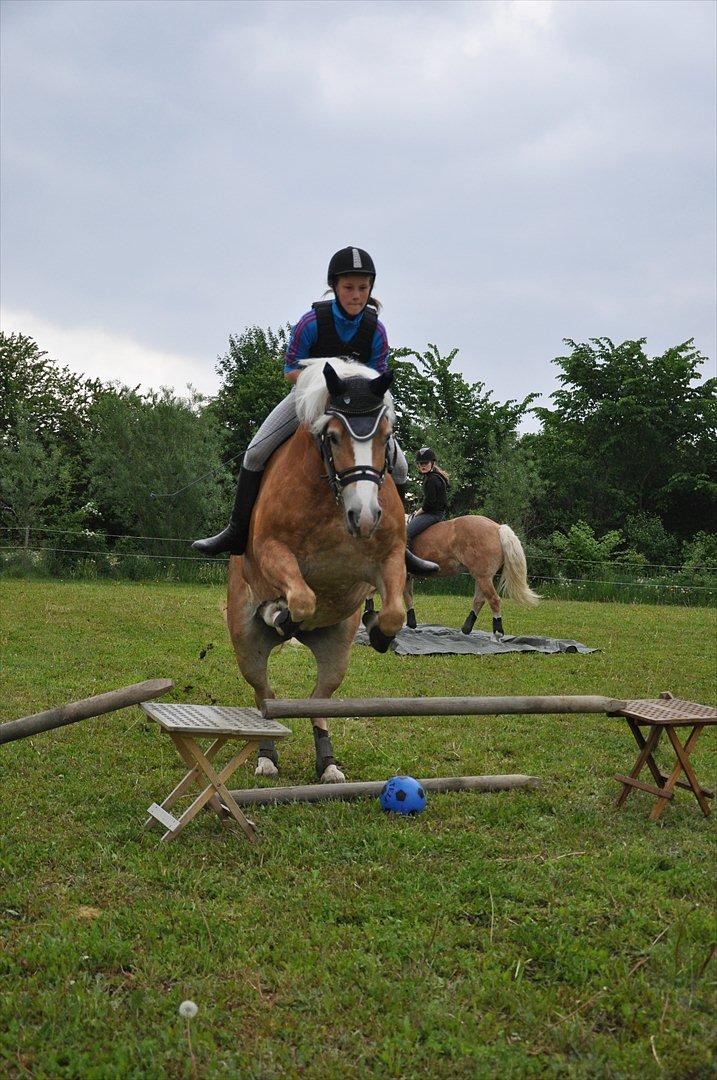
x=480, y=547
x=325, y=533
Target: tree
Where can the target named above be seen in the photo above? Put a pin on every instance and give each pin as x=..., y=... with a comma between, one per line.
x=35, y=480
x=253, y=383
x=629, y=434
x=513, y=484
x=437, y=406
x=43, y=413
x=141, y=447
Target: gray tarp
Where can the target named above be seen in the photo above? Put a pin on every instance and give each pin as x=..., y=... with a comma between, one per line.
x=427, y=640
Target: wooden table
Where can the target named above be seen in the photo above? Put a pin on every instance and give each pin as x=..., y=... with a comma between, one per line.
x=665, y=714
x=184, y=724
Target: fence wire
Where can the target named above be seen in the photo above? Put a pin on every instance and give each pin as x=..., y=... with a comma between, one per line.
x=137, y=558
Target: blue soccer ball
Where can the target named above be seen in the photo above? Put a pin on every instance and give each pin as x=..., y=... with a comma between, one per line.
x=403, y=795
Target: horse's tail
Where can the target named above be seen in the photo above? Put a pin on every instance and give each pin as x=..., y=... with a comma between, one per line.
x=514, y=575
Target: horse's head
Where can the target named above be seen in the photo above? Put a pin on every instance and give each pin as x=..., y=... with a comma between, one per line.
x=353, y=430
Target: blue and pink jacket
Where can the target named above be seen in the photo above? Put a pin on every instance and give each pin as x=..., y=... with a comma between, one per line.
x=305, y=334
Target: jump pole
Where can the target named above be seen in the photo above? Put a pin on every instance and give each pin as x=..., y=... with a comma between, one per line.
x=372, y=789
x=82, y=710
x=299, y=708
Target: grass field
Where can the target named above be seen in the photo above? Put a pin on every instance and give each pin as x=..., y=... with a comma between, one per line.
x=531, y=933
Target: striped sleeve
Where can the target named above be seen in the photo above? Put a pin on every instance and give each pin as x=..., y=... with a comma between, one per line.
x=379, y=349
x=303, y=336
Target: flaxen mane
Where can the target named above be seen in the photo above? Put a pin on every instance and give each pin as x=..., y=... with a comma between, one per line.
x=312, y=394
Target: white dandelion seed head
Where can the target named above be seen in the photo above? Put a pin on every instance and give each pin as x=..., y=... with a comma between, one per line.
x=188, y=1009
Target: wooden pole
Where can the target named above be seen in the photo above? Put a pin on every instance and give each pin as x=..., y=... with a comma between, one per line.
x=82, y=710
x=373, y=788
x=277, y=709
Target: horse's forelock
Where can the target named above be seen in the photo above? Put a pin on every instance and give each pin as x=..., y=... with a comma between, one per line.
x=312, y=394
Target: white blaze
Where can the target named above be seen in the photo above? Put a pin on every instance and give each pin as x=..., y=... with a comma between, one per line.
x=362, y=497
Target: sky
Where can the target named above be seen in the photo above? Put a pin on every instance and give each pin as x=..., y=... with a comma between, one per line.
x=521, y=172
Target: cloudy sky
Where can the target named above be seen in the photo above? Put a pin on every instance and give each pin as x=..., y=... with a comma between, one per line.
x=521, y=172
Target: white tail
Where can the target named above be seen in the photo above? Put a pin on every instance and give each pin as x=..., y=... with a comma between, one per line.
x=514, y=575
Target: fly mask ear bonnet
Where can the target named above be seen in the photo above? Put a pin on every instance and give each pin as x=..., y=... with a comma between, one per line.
x=358, y=403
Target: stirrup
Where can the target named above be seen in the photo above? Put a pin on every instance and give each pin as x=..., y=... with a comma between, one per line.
x=419, y=567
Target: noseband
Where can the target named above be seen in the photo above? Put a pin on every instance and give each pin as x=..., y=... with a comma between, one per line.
x=363, y=427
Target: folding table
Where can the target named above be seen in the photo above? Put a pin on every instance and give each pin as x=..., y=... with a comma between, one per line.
x=665, y=714
x=184, y=724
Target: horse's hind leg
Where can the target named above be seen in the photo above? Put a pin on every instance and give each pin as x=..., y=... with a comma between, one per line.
x=408, y=601
x=487, y=589
x=478, y=602
x=331, y=647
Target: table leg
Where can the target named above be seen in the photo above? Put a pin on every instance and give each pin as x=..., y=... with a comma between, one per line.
x=216, y=785
x=645, y=755
x=683, y=763
x=218, y=780
x=192, y=776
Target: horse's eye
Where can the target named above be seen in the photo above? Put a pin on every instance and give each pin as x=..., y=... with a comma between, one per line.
x=333, y=437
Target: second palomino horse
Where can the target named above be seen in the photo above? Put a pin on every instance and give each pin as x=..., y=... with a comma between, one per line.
x=327, y=530
x=480, y=547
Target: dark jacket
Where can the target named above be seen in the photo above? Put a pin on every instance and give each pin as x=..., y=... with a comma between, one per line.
x=435, y=494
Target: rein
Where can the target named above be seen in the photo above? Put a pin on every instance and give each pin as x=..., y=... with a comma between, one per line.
x=338, y=480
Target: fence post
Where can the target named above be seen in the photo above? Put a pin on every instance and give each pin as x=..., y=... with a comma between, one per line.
x=27, y=537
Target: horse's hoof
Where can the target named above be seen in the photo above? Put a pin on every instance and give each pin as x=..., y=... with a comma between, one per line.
x=265, y=767
x=467, y=627
x=332, y=775
x=379, y=641
x=411, y=619
x=285, y=625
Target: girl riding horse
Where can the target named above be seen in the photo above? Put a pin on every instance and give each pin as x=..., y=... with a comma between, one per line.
x=347, y=326
x=435, y=498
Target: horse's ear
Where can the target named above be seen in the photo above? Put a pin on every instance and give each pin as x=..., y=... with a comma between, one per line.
x=334, y=382
x=380, y=385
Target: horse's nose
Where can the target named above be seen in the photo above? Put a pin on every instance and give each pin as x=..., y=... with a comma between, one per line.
x=363, y=522
x=352, y=517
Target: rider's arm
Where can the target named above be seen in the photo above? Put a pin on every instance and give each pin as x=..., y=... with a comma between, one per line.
x=303, y=336
x=379, y=349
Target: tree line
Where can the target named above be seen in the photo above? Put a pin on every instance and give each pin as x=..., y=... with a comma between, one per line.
x=624, y=465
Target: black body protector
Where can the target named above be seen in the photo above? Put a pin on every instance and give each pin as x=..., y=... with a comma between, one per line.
x=328, y=342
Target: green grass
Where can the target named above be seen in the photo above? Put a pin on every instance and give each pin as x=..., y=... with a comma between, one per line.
x=517, y=934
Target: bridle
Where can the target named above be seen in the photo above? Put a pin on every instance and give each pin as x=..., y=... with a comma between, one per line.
x=339, y=479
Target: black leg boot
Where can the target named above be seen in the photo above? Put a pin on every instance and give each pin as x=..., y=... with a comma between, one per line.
x=233, y=538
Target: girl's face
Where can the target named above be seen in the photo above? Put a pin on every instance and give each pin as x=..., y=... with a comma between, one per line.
x=352, y=292
x=425, y=466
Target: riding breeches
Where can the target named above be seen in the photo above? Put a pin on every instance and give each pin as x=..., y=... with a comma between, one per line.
x=282, y=422
x=420, y=522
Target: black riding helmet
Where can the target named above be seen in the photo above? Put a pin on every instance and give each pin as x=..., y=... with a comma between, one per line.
x=350, y=260
x=424, y=455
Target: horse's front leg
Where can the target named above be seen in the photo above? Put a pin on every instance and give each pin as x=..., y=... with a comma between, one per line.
x=382, y=628
x=280, y=569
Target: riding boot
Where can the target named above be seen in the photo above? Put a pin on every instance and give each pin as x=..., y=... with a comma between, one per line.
x=233, y=539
